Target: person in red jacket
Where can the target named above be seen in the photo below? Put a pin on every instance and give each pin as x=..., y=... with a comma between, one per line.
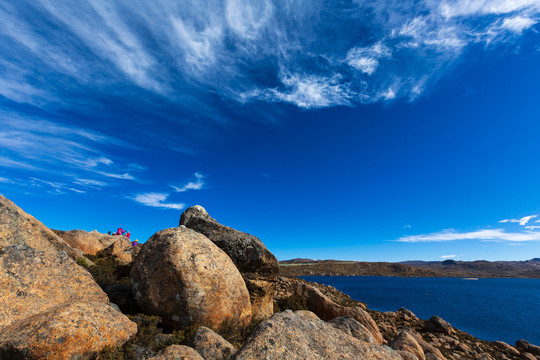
x=128, y=235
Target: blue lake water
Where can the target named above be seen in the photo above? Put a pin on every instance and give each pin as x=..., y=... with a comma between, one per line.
x=490, y=309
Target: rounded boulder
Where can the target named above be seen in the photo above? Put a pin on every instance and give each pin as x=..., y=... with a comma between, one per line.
x=181, y=276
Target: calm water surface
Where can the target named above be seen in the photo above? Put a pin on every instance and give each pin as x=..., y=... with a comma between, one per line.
x=490, y=309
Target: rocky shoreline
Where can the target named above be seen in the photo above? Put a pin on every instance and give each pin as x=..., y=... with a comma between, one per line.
x=200, y=290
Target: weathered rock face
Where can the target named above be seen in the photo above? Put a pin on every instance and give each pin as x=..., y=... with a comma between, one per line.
x=34, y=281
x=82, y=240
x=256, y=263
x=327, y=310
x=178, y=352
x=183, y=277
x=353, y=328
x=120, y=245
x=53, y=309
x=68, y=331
x=18, y=227
x=212, y=346
x=406, y=342
x=301, y=335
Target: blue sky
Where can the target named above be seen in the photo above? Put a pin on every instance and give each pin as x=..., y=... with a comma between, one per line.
x=368, y=130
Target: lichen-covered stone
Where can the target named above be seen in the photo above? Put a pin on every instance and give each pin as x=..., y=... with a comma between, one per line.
x=69, y=331
x=34, y=281
x=302, y=335
x=437, y=325
x=212, y=346
x=186, y=279
x=256, y=263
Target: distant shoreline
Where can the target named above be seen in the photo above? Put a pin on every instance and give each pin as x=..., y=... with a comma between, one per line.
x=529, y=269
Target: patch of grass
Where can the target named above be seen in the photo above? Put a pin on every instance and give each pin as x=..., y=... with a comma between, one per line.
x=149, y=339
x=107, y=270
x=235, y=333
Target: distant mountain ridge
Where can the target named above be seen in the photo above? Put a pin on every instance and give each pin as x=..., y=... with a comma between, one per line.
x=412, y=268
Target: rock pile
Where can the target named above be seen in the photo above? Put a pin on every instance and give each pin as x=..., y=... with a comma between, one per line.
x=184, y=278
x=256, y=263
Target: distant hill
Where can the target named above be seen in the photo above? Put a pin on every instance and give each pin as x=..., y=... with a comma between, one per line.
x=415, y=268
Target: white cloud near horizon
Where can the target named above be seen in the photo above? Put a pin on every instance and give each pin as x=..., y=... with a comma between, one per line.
x=157, y=200
x=523, y=221
x=192, y=185
x=448, y=256
x=484, y=235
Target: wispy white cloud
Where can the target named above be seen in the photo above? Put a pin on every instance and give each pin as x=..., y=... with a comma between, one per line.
x=448, y=256
x=90, y=182
x=485, y=235
x=407, y=226
x=157, y=200
x=192, y=185
x=124, y=176
x=518, y=24
x=523, y=221
x=4, y=180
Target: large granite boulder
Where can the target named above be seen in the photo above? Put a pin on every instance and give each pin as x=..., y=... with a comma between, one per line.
x=47, y=301
x=302, y=335
x=256, y=263
x=327, y=310
x=406, y=342
x=184, y=278
x=211, y=345
x=178, y=352
x=70, y=331
x=82, y=240
x=20, y=228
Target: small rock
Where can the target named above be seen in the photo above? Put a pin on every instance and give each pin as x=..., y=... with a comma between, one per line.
x=405, y=355
x=527, y=356
x=501, y=345
x=178, y=352
x=353, y=328
x=405, y=341
x=438, y=325
x=212, y=346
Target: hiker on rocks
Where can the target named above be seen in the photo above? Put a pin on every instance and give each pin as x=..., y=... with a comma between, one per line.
x=135, y=242
x=120, y=231
x=127, y=234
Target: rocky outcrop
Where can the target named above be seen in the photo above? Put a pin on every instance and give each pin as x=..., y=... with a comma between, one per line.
x=527, y=347
x=406, y=342
x=327, y=310
x=178, y=352
x=70, y=331
x=90, y=243
x=302, y=335
x=353, y=328
x=212, y=346
x=256, y=263
x=183, y=277
x=20, y=228
x=52, y=308
x=82, y=240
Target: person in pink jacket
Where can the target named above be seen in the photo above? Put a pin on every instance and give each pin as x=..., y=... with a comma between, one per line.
x=119, y=231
